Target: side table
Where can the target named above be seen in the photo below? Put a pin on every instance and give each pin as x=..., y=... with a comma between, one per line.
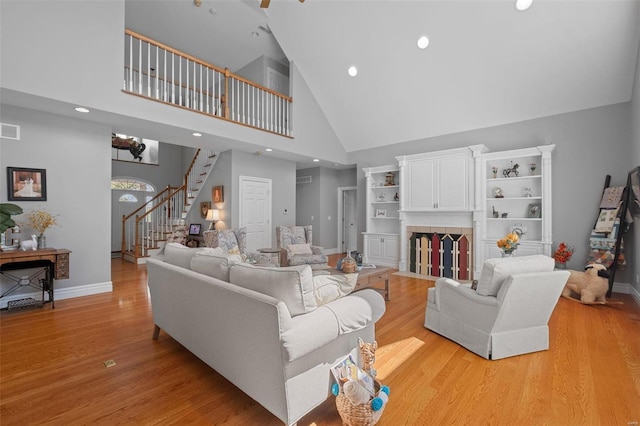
x=271, y=251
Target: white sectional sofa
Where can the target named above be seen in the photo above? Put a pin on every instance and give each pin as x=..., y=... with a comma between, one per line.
x=263, y=329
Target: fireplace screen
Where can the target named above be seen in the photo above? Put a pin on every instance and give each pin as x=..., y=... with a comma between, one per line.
x=440, y=255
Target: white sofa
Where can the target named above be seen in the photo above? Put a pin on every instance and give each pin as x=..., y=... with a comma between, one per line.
x=261, y=328
x=506, y=315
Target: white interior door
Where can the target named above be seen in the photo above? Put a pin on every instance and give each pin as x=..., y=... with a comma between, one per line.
x=255, y=211
x=348, y=231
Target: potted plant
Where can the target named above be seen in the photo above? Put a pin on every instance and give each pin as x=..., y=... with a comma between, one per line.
x=6, y=211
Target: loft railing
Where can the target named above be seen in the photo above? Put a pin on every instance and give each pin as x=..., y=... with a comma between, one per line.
x=156, y=71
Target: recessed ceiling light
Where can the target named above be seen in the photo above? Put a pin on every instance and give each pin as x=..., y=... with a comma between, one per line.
x=196, y=134
x=353, y=71
x=268, y=149
x=523, y=5
x=315, y=160
x=335, y=164
x=423, y=42
x=80, y=109
x=255, y=34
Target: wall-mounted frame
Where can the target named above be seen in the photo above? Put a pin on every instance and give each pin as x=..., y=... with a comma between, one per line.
x=26, y=184
x=204, y=208
x=217, y=194
x=534, y=210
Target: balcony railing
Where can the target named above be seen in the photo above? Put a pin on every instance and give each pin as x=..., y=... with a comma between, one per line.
x=161, y=73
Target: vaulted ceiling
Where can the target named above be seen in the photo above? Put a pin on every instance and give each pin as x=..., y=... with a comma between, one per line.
x=487, y=63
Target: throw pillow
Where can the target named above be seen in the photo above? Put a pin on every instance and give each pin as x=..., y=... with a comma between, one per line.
x=179, y=255
x=299, y=249
x=293, y=284
x=327, y=288
x=214, y=263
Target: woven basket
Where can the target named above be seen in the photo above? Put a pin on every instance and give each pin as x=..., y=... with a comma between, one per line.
x=360, y=414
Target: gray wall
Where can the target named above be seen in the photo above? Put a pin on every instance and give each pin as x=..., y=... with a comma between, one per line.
x=589, y=145
x=76, y=155
x=634, y=247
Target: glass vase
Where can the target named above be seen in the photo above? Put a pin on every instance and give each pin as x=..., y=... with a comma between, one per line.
x=42, y=241
x=561, y=265
x=508, y=253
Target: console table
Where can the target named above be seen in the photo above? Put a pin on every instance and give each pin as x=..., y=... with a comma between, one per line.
x=54, y=261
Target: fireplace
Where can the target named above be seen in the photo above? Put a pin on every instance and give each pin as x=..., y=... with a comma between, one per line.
x=437, y=251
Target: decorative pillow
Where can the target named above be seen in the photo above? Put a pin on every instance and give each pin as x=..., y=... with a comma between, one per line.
x=214, y=262
x=234, y=250
x=179, y=255
x=496, y=271
x=293, y=284
x=299, y=249
x=327, y=288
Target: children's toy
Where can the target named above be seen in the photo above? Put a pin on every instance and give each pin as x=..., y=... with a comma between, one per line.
x=590, y=286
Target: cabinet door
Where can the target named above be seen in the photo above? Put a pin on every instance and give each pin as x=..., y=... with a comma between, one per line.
x=422, y=182
x=375, y=246
x=453, y=183
x=391, y=248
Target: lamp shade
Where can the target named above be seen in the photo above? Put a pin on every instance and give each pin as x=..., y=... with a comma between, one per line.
x=213, y=214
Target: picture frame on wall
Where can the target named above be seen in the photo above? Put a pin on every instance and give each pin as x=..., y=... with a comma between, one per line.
x=26, y=184
x=217, y=194
x=204, y=208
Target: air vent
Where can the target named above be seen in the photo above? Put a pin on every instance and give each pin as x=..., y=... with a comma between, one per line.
x=303, y=179
x=10, y=131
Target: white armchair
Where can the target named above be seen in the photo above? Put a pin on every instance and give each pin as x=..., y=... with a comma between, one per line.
x=506, y=315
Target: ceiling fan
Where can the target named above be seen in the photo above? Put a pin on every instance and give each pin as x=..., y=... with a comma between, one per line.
x=265, y=3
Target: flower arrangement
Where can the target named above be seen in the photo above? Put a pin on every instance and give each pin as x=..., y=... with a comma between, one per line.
x=509, y=243
x=41, y=220
x=563, y=253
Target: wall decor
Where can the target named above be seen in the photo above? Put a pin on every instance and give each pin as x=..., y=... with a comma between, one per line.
x=133, y=149
x=217, y=194
x=204, y=208
x=381, y=213
x=26, y=184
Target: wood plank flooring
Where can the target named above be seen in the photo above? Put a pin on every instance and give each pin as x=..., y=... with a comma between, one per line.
x=52, y=368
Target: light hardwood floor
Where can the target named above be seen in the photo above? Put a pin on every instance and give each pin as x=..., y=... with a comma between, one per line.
x=52, y=368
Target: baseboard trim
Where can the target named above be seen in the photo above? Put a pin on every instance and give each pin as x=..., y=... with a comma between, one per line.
x=63, y=293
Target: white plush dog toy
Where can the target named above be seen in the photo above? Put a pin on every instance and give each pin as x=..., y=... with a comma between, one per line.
x=31, y=244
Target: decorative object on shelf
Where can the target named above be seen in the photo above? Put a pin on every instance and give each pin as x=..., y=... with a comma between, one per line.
x=562, y=255
x=509, y=244
x=381, y=197
x=513, y=169
x=494, y=171
x=31, y=244
x=26, y=184
x=497, y=192
x=381, y=213
x=40, y=221
x=396, y=198
x=519, y=229
x=532, y=167
x=495, y=213
x=534, y=210
x=217, y=194
x=504, y=215
x=527, y=192
x=389, y=179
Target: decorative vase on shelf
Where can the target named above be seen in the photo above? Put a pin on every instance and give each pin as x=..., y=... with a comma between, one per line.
x=508, y=253
x=42, y=241
x=561, y=265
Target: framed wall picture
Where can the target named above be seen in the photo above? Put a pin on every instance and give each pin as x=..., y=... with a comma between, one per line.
x=534, y=210
x=217, y=194
x=25, y=184
x=381, y=213
x=204, y=208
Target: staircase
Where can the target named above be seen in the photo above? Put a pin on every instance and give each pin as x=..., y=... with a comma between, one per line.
x=145, y=230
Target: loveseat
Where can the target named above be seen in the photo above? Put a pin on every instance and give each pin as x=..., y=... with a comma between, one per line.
x=506, y=314
x=272, y=332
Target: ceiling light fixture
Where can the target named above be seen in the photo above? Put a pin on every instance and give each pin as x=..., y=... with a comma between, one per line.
x=353, y=71
x=423, y=42
x=315, y=160
x=522, y=5
x=255, y=34
x=81, y=109
x=196, y=134
x=268, y=149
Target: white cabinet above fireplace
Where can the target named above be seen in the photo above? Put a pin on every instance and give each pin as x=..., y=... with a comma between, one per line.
x=441, y=180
